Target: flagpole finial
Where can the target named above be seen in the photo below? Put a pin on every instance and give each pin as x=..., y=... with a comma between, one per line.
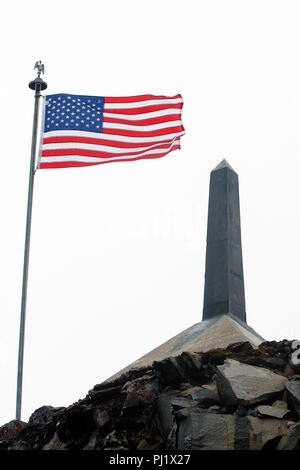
x=38, y=84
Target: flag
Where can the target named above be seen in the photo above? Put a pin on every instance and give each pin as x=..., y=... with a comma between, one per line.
x=81, y=130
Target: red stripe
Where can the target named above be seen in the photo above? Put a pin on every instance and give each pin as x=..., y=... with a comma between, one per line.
x=144, y=122
x=132, y=99
x=158, y=132
x=144, y=109
x=107, y=142
x=76, y=164
x=95, y=153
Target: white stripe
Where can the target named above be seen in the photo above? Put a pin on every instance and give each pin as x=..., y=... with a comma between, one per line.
x=130, y=127
x=117, y=138
x=141, y=104
x=99, y=148
x=137, y=117
x=80, y=158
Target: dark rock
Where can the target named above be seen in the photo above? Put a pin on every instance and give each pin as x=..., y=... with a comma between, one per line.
x=10, y=431
x=165, y=414
x=241, y=411
x=54, y=444
x=206, y=431
x=293, y=395
x=204, y=397
x=99, y=396
x=240, y=347
x=100, y=417
x=43, y=415
x=169, y=371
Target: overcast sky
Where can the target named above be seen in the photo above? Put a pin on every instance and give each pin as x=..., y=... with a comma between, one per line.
x=118, y=250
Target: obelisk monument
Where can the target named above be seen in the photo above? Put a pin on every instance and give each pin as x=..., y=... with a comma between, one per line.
x=224, y=279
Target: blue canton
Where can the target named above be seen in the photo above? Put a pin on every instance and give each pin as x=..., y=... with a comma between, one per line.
x=73, y=112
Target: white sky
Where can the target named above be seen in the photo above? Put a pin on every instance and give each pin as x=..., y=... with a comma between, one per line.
x=118, y=250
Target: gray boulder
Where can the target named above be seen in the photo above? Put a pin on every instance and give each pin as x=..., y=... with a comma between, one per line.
x=293, y=395
x=243, y=384
x=206, y=431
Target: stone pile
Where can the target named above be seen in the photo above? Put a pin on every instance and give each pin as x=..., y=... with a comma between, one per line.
x=237, y=398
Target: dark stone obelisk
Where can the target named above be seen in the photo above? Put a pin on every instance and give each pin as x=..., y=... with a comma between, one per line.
x=224, y=280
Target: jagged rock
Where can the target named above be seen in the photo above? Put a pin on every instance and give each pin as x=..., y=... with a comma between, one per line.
x=187, y=367
x=92, y=443
x=209, y=431
x=54, y=444
x=43, y=415
x=243, y=384
x=10, y=430
x=169, y=371
x=266, y=433
x=293, y=395
x=100, y=417
x=240, y=347
x=191, y=401
x=165, y=414
x=290, y=440
x=206, y=431
x=271, y=411
x=115, y=441
x=20, y=445
x=203, y=396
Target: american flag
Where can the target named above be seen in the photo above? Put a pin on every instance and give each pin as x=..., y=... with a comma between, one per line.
x=81, y=130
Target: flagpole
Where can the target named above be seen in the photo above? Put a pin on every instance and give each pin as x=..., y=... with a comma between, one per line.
x=37, y=85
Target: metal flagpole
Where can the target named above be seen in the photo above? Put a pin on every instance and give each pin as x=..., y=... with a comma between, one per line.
x=38, y=85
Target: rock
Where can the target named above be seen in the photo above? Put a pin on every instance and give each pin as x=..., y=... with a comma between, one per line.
x=115, y=441
x=165, y=414
x=100, y=417
x=241, y=411
x=266, y=433
x=293, y=395
x=271, y=411
x=290, y=440
x=288, y=370
x=169, y=371
x=43, y=415
x=145, y=445
x=9, y=431
x=241, y=347
x=206, y=431
x=92, y=444
x=280, y=404
x=243, y=384
x=54, y=444
x=203, y=396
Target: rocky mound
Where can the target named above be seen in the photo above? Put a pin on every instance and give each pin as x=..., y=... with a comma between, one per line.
x=235, y=398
